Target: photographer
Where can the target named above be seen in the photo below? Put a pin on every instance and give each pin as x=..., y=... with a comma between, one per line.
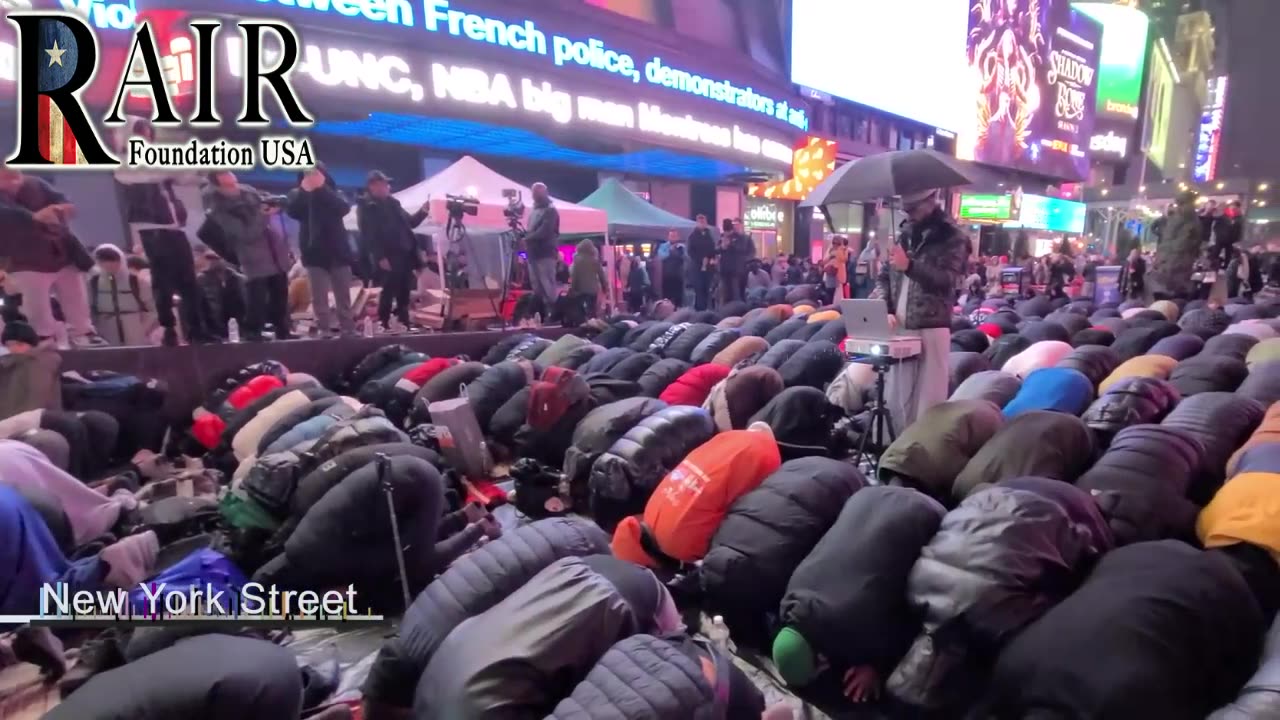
x=238, y=219
x=327, y=255
x=918, y=285
x=386, y=230
x=541, y=241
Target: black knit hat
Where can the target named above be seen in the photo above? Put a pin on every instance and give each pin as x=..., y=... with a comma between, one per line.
x=20, y=332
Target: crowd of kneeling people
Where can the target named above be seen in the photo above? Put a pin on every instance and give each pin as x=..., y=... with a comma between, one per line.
x=1085, y=529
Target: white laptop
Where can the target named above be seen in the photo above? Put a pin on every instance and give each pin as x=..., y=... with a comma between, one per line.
x=867, y=326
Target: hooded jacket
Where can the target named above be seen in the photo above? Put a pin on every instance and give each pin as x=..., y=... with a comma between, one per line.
x=321, y=235
x=1019, y=450
x=386, y=229
x=734, y=400
x=765, y=534
x=1158, y=630
x=624, y=477
x=998, y=562
x=472, y=585
x=496, y=385
x=848, y=597
x=518, y=658
x=1053, y=388
x=596, y=434
x=930, y=453
x=1131, y=401
x=693, y=387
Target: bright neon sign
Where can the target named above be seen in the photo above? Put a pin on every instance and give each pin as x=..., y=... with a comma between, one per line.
x=1209, y=139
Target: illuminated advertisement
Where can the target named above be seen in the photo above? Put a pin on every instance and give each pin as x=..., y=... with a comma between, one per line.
x=907, y=58
x=1034, y=64
x=1162, y=87
x=1209, y=137
x=1052, y=214
x=986, y=207
x=1111, y=140
x=1122, y=60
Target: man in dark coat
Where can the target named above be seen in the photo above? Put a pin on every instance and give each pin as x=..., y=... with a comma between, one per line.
x=542, y=240
x=702, y=249
x=735, y=250
x=222, y=291
x=386, y=230
x=319, y=207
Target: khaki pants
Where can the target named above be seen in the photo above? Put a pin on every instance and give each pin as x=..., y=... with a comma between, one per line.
x=68, y=284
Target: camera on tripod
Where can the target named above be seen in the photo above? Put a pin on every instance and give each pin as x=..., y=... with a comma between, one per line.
x=514, y=211
x=459, y=205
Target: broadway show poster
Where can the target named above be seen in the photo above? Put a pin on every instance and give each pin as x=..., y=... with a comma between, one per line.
x=1034, y=65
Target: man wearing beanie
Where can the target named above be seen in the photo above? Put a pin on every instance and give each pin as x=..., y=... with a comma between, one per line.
x=918, y=285
x=20, y=338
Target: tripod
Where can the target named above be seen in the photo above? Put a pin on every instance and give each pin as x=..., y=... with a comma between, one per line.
x=880, y=422
x=456, y=231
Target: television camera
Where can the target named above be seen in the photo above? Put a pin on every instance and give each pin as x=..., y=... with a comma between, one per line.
x=514, y=211
x=458, y=205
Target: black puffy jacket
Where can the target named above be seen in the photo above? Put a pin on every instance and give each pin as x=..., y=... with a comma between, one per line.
x=1131, y=401
x=1208, y=373
x=779, y=352
x=1019, y=449
x=1260, y=696
x=1221, y=422
x=613, y=335
x=760, y=325
x=660, y=375
x=446, y=385
x=219, y=392
x=1074, y=322
x=1236, y=345
x=715, y=341
x=1138, y=340
x=766, y=533
x=807, y=331
x=1178, y=347
x=313, y=486
x=623, y=478
x=596, y=434
x=1262, y=383
x=962, y=365
x=682, y=347
x=786, y=329
x=472, y=585
x=1005, y=347
x=1039, y=330
x=496, y=385
x=377, y=389
x=1141, y=483
x=499, y=350
x=814, y=365
x=604, y=362
x=649, y=335
x=832, y=331
x=370, y=365
x=632, y=366
x=998, y=561
x=635, y=332
x=1095, y=362
x=528, y=349
x=659, y=346
x=579, y=356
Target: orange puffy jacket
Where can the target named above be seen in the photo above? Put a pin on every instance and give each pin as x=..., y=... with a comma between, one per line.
x=687, y=506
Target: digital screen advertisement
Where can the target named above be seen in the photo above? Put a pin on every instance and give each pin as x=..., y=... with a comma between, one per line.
x=1052, y=214
x=1122, y=60
x=1160, y=96
x=1034, y=65
x=986, y=207
x=906, y=57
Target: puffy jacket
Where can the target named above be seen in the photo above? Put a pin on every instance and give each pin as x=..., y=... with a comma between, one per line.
x=1267, y=432
x=377, y=389
x=370, y=365
x=604, y=362
x=1221, y=422
x=970, y=341
x=1143, y=366
x=501, y=349
x=930, y=453
x=632, y=366
x=507, y=661
x=496, y=385
x=1264, y=352
x=1233, y=344
x=963, y=364
x=1208, y=373
x=1094, y=336
x=399, y=401
x=683, y=346
x=623, y=478
x=735, y=399
x=1260, y=696
x=832, y=331
x=248, y=440
x=1204, y=322
x=1131, y=401
x=1158, y=630
x=1178, y=347
x=1095, y=361
x=712, y=344
x=850, y=388
x=612, y=335
x=1141, y=483
x=366, y=427
x=848, y=597
x=300, y=435
x=645, y=677
x=659, y=346
x=779, y=352
x=1262, y=383
x=766, y=533
x=1137, y=341
x=693, y=387
x=744, y=348
x=786, y=329
x=760, y=325
x=802, y=420
x=1043, y=354
x=998, y=562
x=596, y=434
x=1039, y=331
x=1019, y=449
x=579, y=356
x=474, y=583
x=1004, y=348
x=219, y=396
x=1053, y=388
x=297, y=415
x=529, y=349
x=809, y=331
x=814, y=365
x=1073, y=322
x=994, y=386
x=446, y=385
x=319, y=481
x=660, y=375
x=652, y=331
x=559, y=350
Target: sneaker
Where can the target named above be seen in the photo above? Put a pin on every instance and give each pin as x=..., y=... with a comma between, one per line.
x=92, y=339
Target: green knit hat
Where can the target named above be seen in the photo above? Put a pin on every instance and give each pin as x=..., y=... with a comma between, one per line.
x=794, y=658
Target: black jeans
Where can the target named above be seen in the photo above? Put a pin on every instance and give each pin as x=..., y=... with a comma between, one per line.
x=173, y=272
x=701, y=289
x=268, y=303
x=397, y=285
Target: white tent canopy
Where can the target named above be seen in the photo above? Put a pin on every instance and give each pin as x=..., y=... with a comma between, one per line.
x=469, y=176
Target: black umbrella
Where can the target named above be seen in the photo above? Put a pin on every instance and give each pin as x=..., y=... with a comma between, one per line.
x=889, y=174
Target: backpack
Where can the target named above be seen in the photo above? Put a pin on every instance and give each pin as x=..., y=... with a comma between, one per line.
x=133, y=290
x=552, y=395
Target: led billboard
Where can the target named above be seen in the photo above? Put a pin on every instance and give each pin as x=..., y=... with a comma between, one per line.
x=1122, y=60
x=1052, y=214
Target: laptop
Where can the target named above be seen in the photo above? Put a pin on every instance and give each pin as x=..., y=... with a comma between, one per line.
x=868, y=320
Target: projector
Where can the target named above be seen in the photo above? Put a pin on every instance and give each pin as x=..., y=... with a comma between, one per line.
x=898, y=347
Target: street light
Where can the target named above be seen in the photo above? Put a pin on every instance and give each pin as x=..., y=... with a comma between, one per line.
x=1262, y=187
x=1221, y=185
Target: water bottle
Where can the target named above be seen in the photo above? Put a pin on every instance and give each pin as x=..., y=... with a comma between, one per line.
x=233, y=331
x=537, y=320
x=719, y=635
x=368, y=327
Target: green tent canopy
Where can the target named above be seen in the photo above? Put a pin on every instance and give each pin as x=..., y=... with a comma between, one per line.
x=631, y=216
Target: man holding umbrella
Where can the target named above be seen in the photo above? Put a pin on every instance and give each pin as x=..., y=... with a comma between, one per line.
x=918, y=284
